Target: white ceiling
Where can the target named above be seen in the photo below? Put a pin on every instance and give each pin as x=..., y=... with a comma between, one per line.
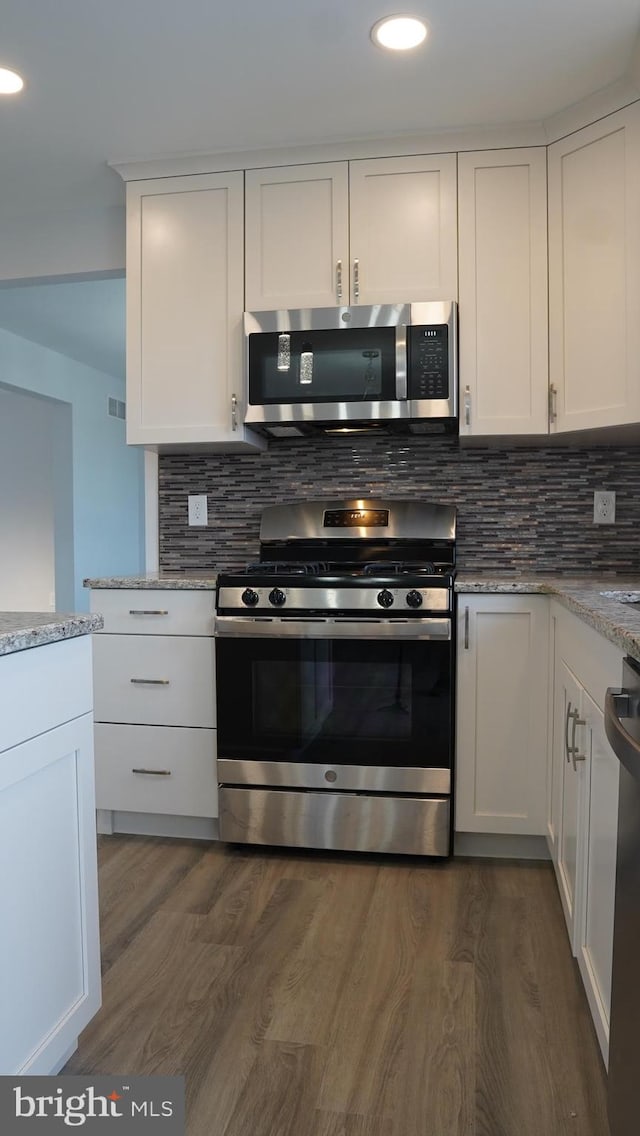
x=115, y=80
x=134, y=79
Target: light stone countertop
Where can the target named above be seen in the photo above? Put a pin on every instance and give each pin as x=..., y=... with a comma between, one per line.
x=618, y=622
x=20, y=630
x=181, y=581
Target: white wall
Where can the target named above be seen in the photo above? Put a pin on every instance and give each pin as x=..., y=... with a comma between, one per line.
x=73, y=243
x=27, y=511
x=106, y=530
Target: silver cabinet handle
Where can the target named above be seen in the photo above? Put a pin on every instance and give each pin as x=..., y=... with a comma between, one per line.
x=153, y=772
x=566, y=731
x=339, y=281
x=234, y=412
x=356, y=281
x=150, y=681
x=572, y=751
x=575, y=751
x=467, y=406
x=149, y=611
x=553, y=403
x=466, y=628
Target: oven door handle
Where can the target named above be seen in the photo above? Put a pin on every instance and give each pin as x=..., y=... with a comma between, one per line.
x=232, y=627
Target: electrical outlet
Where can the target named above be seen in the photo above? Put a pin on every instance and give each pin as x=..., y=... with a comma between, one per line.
x=604, y=507
x=198, y=509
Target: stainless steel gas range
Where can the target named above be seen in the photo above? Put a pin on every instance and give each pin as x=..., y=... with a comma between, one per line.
x=335, y=679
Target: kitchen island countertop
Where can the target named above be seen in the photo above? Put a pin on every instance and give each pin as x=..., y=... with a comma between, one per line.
x=583, y=595
x=20, y=630
x=185, y=581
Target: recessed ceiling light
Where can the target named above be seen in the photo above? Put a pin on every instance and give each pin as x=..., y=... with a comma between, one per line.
x=10, y=82
x=399, y=33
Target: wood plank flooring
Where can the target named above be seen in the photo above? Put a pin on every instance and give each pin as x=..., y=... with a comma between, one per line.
x=311, y=994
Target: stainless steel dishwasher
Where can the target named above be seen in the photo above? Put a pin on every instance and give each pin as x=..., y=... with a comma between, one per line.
x=622, y=725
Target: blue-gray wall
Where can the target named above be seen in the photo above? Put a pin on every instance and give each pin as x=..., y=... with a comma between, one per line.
x=105, y=524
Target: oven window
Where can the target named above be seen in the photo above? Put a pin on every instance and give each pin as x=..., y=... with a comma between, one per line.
x=346, y=365
x=335, y=700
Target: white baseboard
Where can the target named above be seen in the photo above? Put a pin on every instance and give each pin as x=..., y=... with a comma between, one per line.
x=500, y=846
x=156, y=824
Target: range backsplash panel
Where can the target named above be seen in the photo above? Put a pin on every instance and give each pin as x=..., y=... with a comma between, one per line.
x=518, y=509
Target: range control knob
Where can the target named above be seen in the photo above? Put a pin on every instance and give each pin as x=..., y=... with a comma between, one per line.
x=249, y=597
x=414, y=598
x=277, y=597
x=385, y=598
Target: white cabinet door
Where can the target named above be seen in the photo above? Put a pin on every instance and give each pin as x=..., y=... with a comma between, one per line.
x=380, y=231
x=502, y=217
x=297, y=237
x=576, y=743
x=501, y=735
x=185, y=253
x=403, y=221
x=595, y=939
x=583, y=803
x=49, y=946
x=594, y=273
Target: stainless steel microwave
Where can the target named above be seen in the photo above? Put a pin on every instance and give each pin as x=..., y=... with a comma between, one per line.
x=345, y=369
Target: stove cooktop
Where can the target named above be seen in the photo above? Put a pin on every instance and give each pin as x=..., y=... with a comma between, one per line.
x=382, y=589
x=363, y=556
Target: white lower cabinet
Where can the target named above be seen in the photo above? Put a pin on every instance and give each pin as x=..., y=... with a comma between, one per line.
x=49, y=938
x=583, y=803
x=154, y=675
x=501, y=734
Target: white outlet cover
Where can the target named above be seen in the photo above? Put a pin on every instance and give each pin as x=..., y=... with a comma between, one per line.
x=198, y=512
x=604, y=507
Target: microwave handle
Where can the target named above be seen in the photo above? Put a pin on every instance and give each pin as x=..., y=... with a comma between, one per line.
x=339, y=281
x=356, y=281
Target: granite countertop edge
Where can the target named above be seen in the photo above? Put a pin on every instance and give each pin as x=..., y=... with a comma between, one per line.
x=617, y=622
x=179, y=581
x=21, y=630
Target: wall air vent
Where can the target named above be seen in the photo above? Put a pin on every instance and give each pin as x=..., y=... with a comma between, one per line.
x=116, y=408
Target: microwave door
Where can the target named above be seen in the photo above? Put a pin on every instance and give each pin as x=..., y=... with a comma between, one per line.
x=328, y=366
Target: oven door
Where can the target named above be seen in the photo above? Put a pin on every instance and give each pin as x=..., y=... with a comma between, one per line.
x=352, y=705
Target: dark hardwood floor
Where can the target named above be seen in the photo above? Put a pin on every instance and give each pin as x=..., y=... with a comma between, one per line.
x=304, y=994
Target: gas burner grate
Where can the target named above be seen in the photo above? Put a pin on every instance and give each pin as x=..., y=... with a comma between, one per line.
x=285, y=568
x=401, y=568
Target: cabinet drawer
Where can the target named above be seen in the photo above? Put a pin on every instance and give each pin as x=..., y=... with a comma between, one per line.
x=42, y=687
x=146, y=611
x=186, y=781
x=154, y=680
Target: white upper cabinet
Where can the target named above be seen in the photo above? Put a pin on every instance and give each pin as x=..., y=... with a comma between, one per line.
x=184, y=311
x=594, y=273
x=371, y=232
x=403, y=226
x=502, y=221
x=297, y=234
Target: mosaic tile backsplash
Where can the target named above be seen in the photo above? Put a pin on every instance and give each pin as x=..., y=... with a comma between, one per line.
x=518, y=508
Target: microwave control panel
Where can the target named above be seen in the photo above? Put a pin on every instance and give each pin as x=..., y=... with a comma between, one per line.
x=428, y=361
